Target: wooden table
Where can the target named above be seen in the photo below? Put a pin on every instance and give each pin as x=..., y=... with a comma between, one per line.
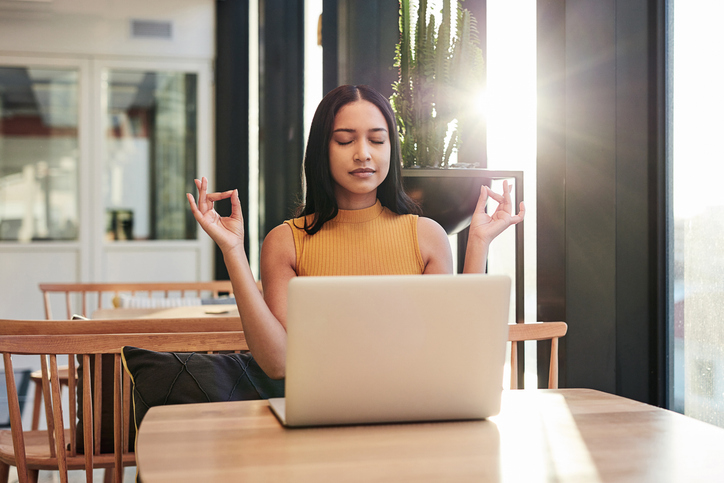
x=188, y=311
x=541, y=435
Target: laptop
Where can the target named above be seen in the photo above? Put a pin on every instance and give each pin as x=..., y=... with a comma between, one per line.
x=394, y=348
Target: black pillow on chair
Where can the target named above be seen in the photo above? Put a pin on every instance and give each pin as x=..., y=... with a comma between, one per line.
x=161, y=378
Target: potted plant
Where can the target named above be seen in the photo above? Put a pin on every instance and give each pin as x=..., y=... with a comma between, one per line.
x=441, y=74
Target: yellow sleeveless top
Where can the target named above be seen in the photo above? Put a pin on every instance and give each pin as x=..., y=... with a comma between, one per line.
x=371, y=241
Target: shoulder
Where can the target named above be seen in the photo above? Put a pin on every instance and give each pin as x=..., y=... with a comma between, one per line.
x=294, y=224
x=280, y=234
x=279, y=244
x=429, y=228
x=434, y=246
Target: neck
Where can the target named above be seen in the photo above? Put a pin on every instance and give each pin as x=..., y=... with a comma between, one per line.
x=356, y=202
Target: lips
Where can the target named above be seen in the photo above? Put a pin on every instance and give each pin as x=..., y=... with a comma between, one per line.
x=363, y=171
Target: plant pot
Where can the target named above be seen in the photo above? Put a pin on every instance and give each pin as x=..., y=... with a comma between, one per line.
x=449, y=195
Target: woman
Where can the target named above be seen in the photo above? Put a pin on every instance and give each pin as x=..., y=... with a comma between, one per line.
x=356, y=220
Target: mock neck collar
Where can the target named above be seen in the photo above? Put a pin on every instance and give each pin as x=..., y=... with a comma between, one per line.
x=359, y=216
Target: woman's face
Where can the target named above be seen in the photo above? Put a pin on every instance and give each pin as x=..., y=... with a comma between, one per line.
x=359, y=154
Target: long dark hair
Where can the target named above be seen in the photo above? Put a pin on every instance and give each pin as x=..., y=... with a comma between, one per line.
x=320, y=200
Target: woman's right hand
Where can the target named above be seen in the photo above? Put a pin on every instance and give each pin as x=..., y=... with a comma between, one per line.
x=227, y=232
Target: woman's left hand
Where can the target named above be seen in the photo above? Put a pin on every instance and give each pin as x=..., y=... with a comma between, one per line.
x=486, y=227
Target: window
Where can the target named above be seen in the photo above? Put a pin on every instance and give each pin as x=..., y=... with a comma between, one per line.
x=511, y=121
x=150, y=155
x=697, y=100
x=39, y=154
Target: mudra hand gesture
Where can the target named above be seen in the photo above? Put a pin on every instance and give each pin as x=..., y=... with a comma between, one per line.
x=228, y=231
x=485, y=227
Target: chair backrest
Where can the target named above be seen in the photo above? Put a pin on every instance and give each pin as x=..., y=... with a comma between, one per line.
x=536, y=331
x=54, y=343
x=122, y=326
x=94, y=296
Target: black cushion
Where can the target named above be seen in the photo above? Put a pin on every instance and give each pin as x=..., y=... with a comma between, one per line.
x=161, y=378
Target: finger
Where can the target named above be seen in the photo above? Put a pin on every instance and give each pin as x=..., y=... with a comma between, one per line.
x=507, y=188
x=202, y=185
x=495, y=196
x=521, y=211
x=519, y=217
x=192, y=202
x=212, y=197
x=235, y=205
x=194, y=209
x=482, y=199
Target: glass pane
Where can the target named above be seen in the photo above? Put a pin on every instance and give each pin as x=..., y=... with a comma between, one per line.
x=698, y=204
x=38, y=154
x=511, y=137
x=150, y=154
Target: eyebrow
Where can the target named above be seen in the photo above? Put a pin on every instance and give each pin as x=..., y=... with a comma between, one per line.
x=376, y=129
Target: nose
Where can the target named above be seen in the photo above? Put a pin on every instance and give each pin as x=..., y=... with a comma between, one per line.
x=363, y=152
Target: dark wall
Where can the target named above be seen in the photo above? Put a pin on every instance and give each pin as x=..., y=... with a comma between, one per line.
x=359, y=40
x=551, y=171
x=598, y=186
x=281, y=121
x=232, y=110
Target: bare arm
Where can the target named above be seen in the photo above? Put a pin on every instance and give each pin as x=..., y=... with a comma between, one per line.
x=265, y=334
x=278, y=260
x=434, y=247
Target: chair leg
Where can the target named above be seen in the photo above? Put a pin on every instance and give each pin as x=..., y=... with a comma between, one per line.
x=37, y=399
x=553, y=369
x=108, y=475
x=33, y=476
x=514, y=365
x=4, y=472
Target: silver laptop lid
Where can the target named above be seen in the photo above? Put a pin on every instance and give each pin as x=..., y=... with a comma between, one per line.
x=370, y=349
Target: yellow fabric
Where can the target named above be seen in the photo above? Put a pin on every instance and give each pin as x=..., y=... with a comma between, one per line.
x=372, y=241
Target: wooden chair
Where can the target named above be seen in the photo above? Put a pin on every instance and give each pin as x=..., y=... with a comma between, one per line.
x=536, y=331
x=31, y=451
x=94, y=296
